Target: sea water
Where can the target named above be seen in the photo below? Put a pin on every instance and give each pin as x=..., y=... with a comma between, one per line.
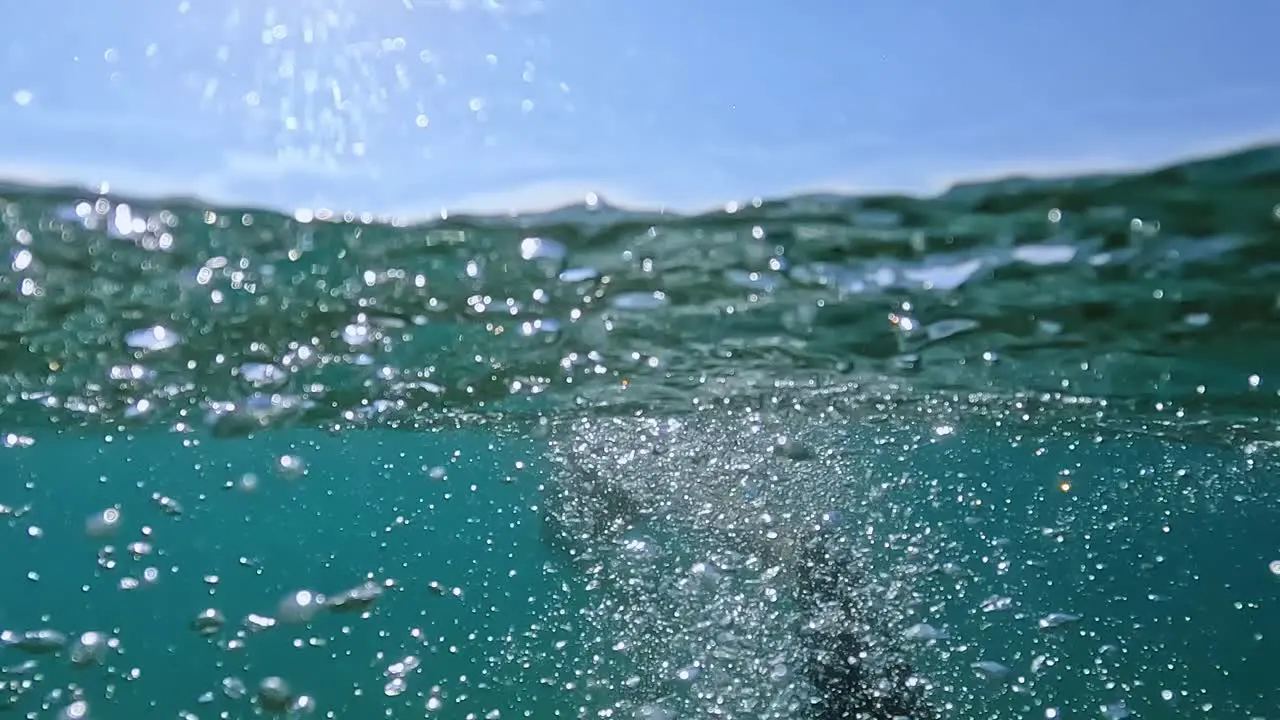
x=1002, y=453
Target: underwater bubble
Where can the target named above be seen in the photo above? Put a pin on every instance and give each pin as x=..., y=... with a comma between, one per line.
x=90, y=648
x=36, y=642
x=578, y=275
x=274, y=693
x=395, y=686
x=1115, y=711
x=302, y=706
x=156, y=337
x=233, y=688
x=925, y=631
x=359, y=333
x=256, y=623
x=168, y=505
x=359, y=598
x=210, y=621
x=103, y=524
x=78, y=710
x=264, y=374
x=291, y=467
x=537, y=248
x=990, y=670
x=139, y=549
x=1057, y=619
x=996, y=603
x=654, y=712
x=299, y=607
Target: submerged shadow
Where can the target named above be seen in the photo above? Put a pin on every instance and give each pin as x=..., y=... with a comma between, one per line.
x=855, y=674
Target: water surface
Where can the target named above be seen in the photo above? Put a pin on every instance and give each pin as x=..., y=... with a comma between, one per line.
x=1006, y=452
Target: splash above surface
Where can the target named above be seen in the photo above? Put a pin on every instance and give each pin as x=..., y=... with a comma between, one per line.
x=404, y=108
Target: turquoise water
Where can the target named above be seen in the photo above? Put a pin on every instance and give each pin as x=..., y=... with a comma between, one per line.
x=366, y=509
x=1005, y=453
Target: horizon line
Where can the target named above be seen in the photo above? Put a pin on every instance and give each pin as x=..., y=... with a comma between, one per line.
x=603, y=198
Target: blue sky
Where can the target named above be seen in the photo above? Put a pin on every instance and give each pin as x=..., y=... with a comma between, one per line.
x=408, y=106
